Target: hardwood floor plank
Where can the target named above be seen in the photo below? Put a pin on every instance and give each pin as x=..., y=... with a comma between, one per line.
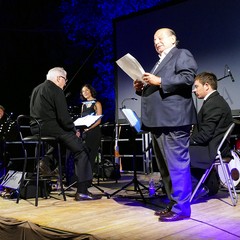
x=125, y=218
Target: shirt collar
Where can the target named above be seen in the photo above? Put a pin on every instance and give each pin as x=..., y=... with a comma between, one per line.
x=206, y=97
x=165, y=52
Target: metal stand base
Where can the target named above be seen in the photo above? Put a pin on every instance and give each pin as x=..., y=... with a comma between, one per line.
x=136, y=184
x=134, y=181
x=93, y=185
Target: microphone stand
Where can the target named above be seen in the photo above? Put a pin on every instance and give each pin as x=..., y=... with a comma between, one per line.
x=227, y=69
x=223, y=77
x=135, y=182
x=126, y=99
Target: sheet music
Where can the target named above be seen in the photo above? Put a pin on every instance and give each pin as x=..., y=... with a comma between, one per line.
x=132, y=118
x=87, y=121
x=131, y=66
x=12, y=179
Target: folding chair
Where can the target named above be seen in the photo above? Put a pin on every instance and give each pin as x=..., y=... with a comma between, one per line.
x=222, y=162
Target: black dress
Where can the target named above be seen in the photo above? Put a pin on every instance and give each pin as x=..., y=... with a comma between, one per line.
x=92, y=137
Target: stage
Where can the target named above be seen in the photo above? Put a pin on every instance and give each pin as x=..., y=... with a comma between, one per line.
x=119, y=217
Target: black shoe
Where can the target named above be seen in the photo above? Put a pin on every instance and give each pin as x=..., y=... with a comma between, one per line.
x=201, y=192
x=172, y=217
x=88, y=196
x=164, y=211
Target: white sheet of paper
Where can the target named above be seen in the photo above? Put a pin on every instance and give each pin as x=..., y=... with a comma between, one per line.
x=87, y=120
x=131, y=66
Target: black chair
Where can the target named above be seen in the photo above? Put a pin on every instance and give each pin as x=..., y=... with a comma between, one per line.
x=103, y=164
x=36, y=143
x=223, y=163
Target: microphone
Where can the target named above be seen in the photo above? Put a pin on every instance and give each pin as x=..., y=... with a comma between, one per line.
x=123, y=106
x=230, y=73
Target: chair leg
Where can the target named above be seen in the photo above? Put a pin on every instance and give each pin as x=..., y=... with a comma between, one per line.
x=201, y=181
x=23, y=176
x=230, y=184
x=99, y=156
x=38, y=173
x=60, y=171
x=100, y=166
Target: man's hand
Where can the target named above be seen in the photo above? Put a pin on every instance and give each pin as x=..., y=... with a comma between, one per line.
x=151, y=79
x=138, y=85
x=78, y=133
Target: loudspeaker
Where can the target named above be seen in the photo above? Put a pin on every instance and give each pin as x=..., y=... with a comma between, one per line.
x=29, y=189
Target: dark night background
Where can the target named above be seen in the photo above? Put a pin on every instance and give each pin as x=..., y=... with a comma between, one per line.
x=86, y=37
x=37, y=35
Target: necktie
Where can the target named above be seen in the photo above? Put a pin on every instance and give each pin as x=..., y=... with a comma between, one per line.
x=156, y=66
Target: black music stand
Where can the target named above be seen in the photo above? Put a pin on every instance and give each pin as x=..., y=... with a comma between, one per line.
x=135, y=124
x=8, y=133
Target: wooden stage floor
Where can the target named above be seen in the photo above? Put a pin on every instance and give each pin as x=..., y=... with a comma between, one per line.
x=121, y=217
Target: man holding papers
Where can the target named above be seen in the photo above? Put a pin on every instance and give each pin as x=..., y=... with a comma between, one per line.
x=168, y=112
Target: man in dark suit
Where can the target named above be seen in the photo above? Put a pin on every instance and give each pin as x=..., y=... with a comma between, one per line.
x=48, y=105
x=214, y=118
x=168, y=112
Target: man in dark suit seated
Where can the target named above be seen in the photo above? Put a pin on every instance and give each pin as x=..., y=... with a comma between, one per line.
x=214, y=119
x=49, y=106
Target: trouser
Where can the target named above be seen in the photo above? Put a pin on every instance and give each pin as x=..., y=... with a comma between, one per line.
x=171, y=149
x=83, y=168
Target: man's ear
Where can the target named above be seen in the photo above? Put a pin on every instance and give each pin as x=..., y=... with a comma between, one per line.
x=207, y=85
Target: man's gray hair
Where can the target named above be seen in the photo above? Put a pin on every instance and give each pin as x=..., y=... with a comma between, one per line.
x=54, y=72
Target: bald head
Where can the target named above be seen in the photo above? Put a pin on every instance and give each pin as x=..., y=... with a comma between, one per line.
x=164, y=38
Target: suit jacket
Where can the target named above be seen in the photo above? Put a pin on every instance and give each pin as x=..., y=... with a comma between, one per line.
x=214, y=118
x=48, y=104
x=171, y=105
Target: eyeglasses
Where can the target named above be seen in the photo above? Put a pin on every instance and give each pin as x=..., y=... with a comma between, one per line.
x=66, y=80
